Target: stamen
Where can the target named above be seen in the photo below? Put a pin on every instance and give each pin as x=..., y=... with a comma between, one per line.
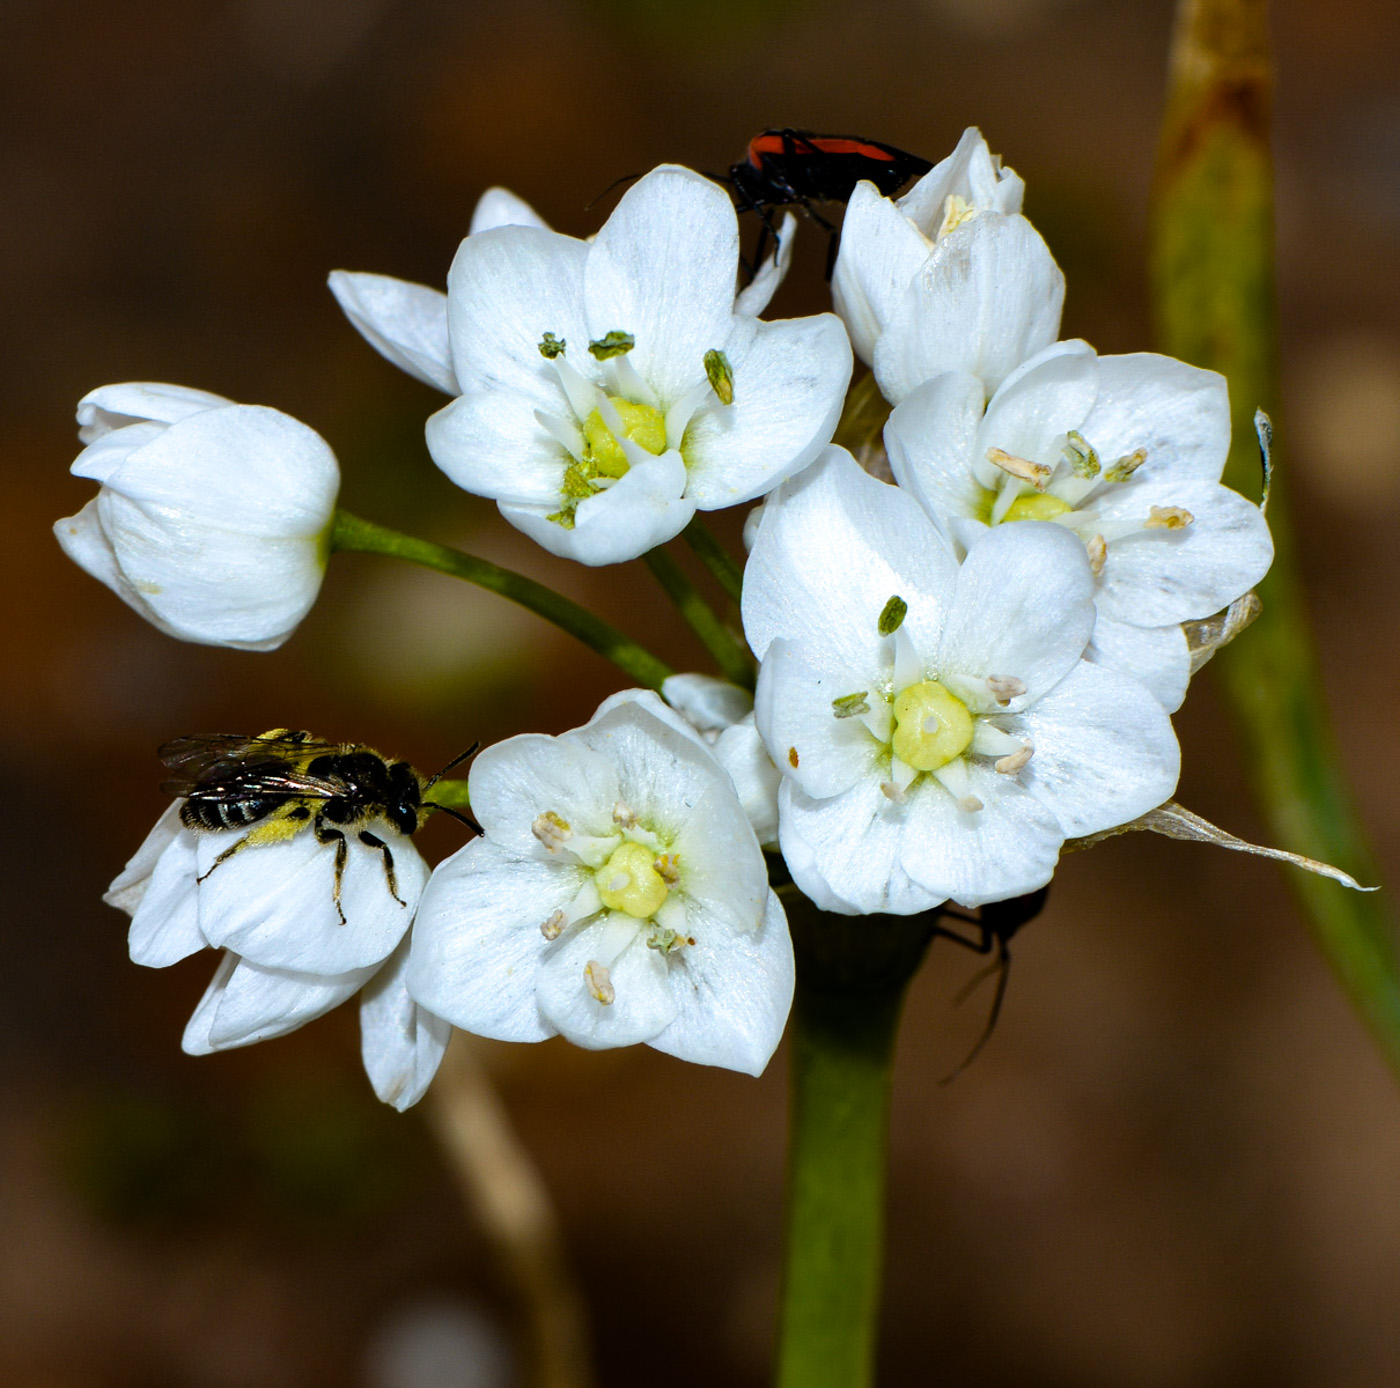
x=630, y=383
x=583, y=394
x=551, y=346
x=553, y=928
x=892, y=616
x=1033, y=474
x=624, y=816
x=562, y=431
x=1080, y=455
x=1168, y=518
x=969, y=804
x=599, y=981
x=1128, y=464
x=1005, y=688
x=720, y=375
x=664, y=940
x=956, y=211
x=679, y=415
x=668, y=869
x=1098, y=552
x=613, y=344
x=851, y=705
x=1009, y=766
x=552, y=830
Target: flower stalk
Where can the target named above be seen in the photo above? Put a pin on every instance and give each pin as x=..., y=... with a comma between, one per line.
x=733, y=660
x=351, y=534
x=1214, y=290
x=851, y=976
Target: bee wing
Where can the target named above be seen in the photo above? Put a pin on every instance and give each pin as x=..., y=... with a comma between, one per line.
x=211, y=763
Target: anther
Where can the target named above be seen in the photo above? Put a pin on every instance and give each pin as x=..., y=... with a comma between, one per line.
x=599, y=982
x=956, y=211
x=720, y=375
x=1168, y=518
x=969, y=804
x=624, y=816
x=553, y=928
x=668, y=869
x=552, y=830
x=1034, y=474
x=1125, y=466
x=1005, y=688
x=551, y=346
x=1080, y=455
x=1098, y=552
x=1009, y=766
x=851, y=705
x=613, y=344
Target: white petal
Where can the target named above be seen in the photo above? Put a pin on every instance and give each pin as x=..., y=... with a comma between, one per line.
x=476, y=947
x=508, y=287
x=881, y=251
x=499, y=207
x=514, y=782
x=643, y=1003
x=662, y=268
x=1178, y=413
x=930, y=438
x=789, y=386
x=1006, y=849
x=987, y=299
x=643, y=509
x=401, y=1043
x=1155, y=656
x=165, y=922
x=971, y=173
x=273, y=903
x=741, y=752
x=1024, y=608
x=733, y=997
x=794, y=710
x=131, y=883
x=673, y=718
x=244, y=1004
x=833, y=547
x=106, y=453
x=755, y=296
x=1104, y=750
x=1040, y=402
x=404, y=322
x=707, y=704
x=845, y=853
x=114, y=407
x=1153, y=577
x=490, y=443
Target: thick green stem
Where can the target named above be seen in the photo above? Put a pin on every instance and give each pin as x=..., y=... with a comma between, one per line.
x=353, y=535
x=735, y=663
x=1214, y=293
x=851, y=977
x=714, y=556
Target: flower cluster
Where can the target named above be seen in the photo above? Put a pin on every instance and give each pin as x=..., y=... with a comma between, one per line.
x=953, y=674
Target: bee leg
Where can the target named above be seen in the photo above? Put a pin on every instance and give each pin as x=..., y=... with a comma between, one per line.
x=272, y=830
x=374, y=841
x=327, y=836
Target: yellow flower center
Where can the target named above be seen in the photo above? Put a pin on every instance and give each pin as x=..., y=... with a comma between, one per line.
x=931, y=726
x=629, y=882
x=1036, y=506
x=643, y=424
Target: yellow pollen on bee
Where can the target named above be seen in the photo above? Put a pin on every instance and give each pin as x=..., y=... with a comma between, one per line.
x=931, y=726
x=629, y=881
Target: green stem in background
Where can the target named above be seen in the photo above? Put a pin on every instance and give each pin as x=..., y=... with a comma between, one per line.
x=352, y=535
x=714, y=556
x=851, y=976
x=1213, y=283
x=735, y=663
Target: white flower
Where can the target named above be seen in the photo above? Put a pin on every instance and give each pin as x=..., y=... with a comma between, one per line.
x=949, y=277
x=618, y=896
x=609, y=389
x=288, y=958
x=212, y=519
x=1126, y=452
x=938, y=733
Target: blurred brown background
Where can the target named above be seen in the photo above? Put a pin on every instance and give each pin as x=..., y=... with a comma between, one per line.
x=1178, y=1163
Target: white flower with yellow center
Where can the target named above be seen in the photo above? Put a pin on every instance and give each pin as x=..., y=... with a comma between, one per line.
x=611, y=388
x=1124, y=451
x=938, y=732
x=948, y=277
x=618, y=895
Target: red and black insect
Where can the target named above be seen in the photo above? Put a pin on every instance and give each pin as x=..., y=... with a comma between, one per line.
x=785, y=168
x=996, y=923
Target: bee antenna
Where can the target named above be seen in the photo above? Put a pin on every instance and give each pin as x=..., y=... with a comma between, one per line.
x=456, y=814
x=626, y=178
x=455, y=762
x=1001, y=965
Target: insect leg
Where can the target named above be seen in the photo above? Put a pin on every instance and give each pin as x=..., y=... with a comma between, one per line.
x=1001, y=965
x=374, y=841
x=328, y=836
x=278, y=826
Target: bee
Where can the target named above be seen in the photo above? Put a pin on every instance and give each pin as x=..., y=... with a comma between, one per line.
x=281, y=783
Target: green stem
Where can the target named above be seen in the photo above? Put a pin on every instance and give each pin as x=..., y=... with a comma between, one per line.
x=1214, y=293
x=352, y=535
x=851, y=977
x=734, y=661
x=715, y=557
